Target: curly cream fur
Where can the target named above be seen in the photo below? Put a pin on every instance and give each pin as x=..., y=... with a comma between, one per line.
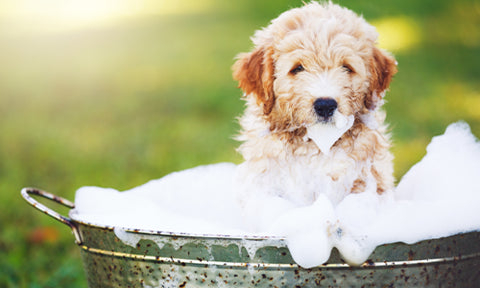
x=337, y=50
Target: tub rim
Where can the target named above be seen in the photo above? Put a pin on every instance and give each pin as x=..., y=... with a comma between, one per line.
x=74, y=225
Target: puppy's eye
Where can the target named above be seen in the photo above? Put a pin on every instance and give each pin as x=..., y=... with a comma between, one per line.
x=347, y=68
x=297, y=69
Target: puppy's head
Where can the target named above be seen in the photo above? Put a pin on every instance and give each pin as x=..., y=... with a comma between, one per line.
x=312, y=63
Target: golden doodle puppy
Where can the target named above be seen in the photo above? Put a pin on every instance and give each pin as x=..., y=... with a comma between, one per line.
x=314, y=86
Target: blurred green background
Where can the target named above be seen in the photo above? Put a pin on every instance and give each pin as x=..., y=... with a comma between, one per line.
x=115, y=93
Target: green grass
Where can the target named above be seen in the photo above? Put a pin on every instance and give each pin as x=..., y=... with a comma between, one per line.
x=118, y=105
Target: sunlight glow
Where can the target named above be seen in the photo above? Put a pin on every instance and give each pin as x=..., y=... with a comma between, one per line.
x=397, y=33
x=60, y=15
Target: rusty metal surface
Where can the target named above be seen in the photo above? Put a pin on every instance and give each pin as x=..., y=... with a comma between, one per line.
x=26, y=194
x=184, y=261
x=161, y=259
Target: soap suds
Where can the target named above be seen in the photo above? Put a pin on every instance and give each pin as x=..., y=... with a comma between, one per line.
x=438, y=197
x=326, y=134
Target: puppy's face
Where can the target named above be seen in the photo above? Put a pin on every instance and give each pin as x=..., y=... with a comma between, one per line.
x=304, y=71
x=316, y=78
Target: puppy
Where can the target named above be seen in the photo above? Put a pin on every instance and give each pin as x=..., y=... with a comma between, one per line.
x=314, y=86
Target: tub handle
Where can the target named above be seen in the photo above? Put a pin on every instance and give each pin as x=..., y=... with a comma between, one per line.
x=26, y=192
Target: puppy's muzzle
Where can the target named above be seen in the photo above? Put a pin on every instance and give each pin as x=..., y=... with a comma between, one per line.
x=325, y=107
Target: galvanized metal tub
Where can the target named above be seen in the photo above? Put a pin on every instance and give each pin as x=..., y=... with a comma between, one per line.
x=162, y=259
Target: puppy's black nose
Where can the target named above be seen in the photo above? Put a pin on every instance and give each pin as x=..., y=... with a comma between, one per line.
x=325, y=107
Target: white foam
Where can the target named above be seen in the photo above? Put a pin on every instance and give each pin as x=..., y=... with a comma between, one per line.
x=308, y=227
x=438, y=197
x=197, y=200
x=326, y=134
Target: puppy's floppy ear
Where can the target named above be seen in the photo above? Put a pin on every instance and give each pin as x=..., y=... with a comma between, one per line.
x=254, y=73
x=382, y=69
